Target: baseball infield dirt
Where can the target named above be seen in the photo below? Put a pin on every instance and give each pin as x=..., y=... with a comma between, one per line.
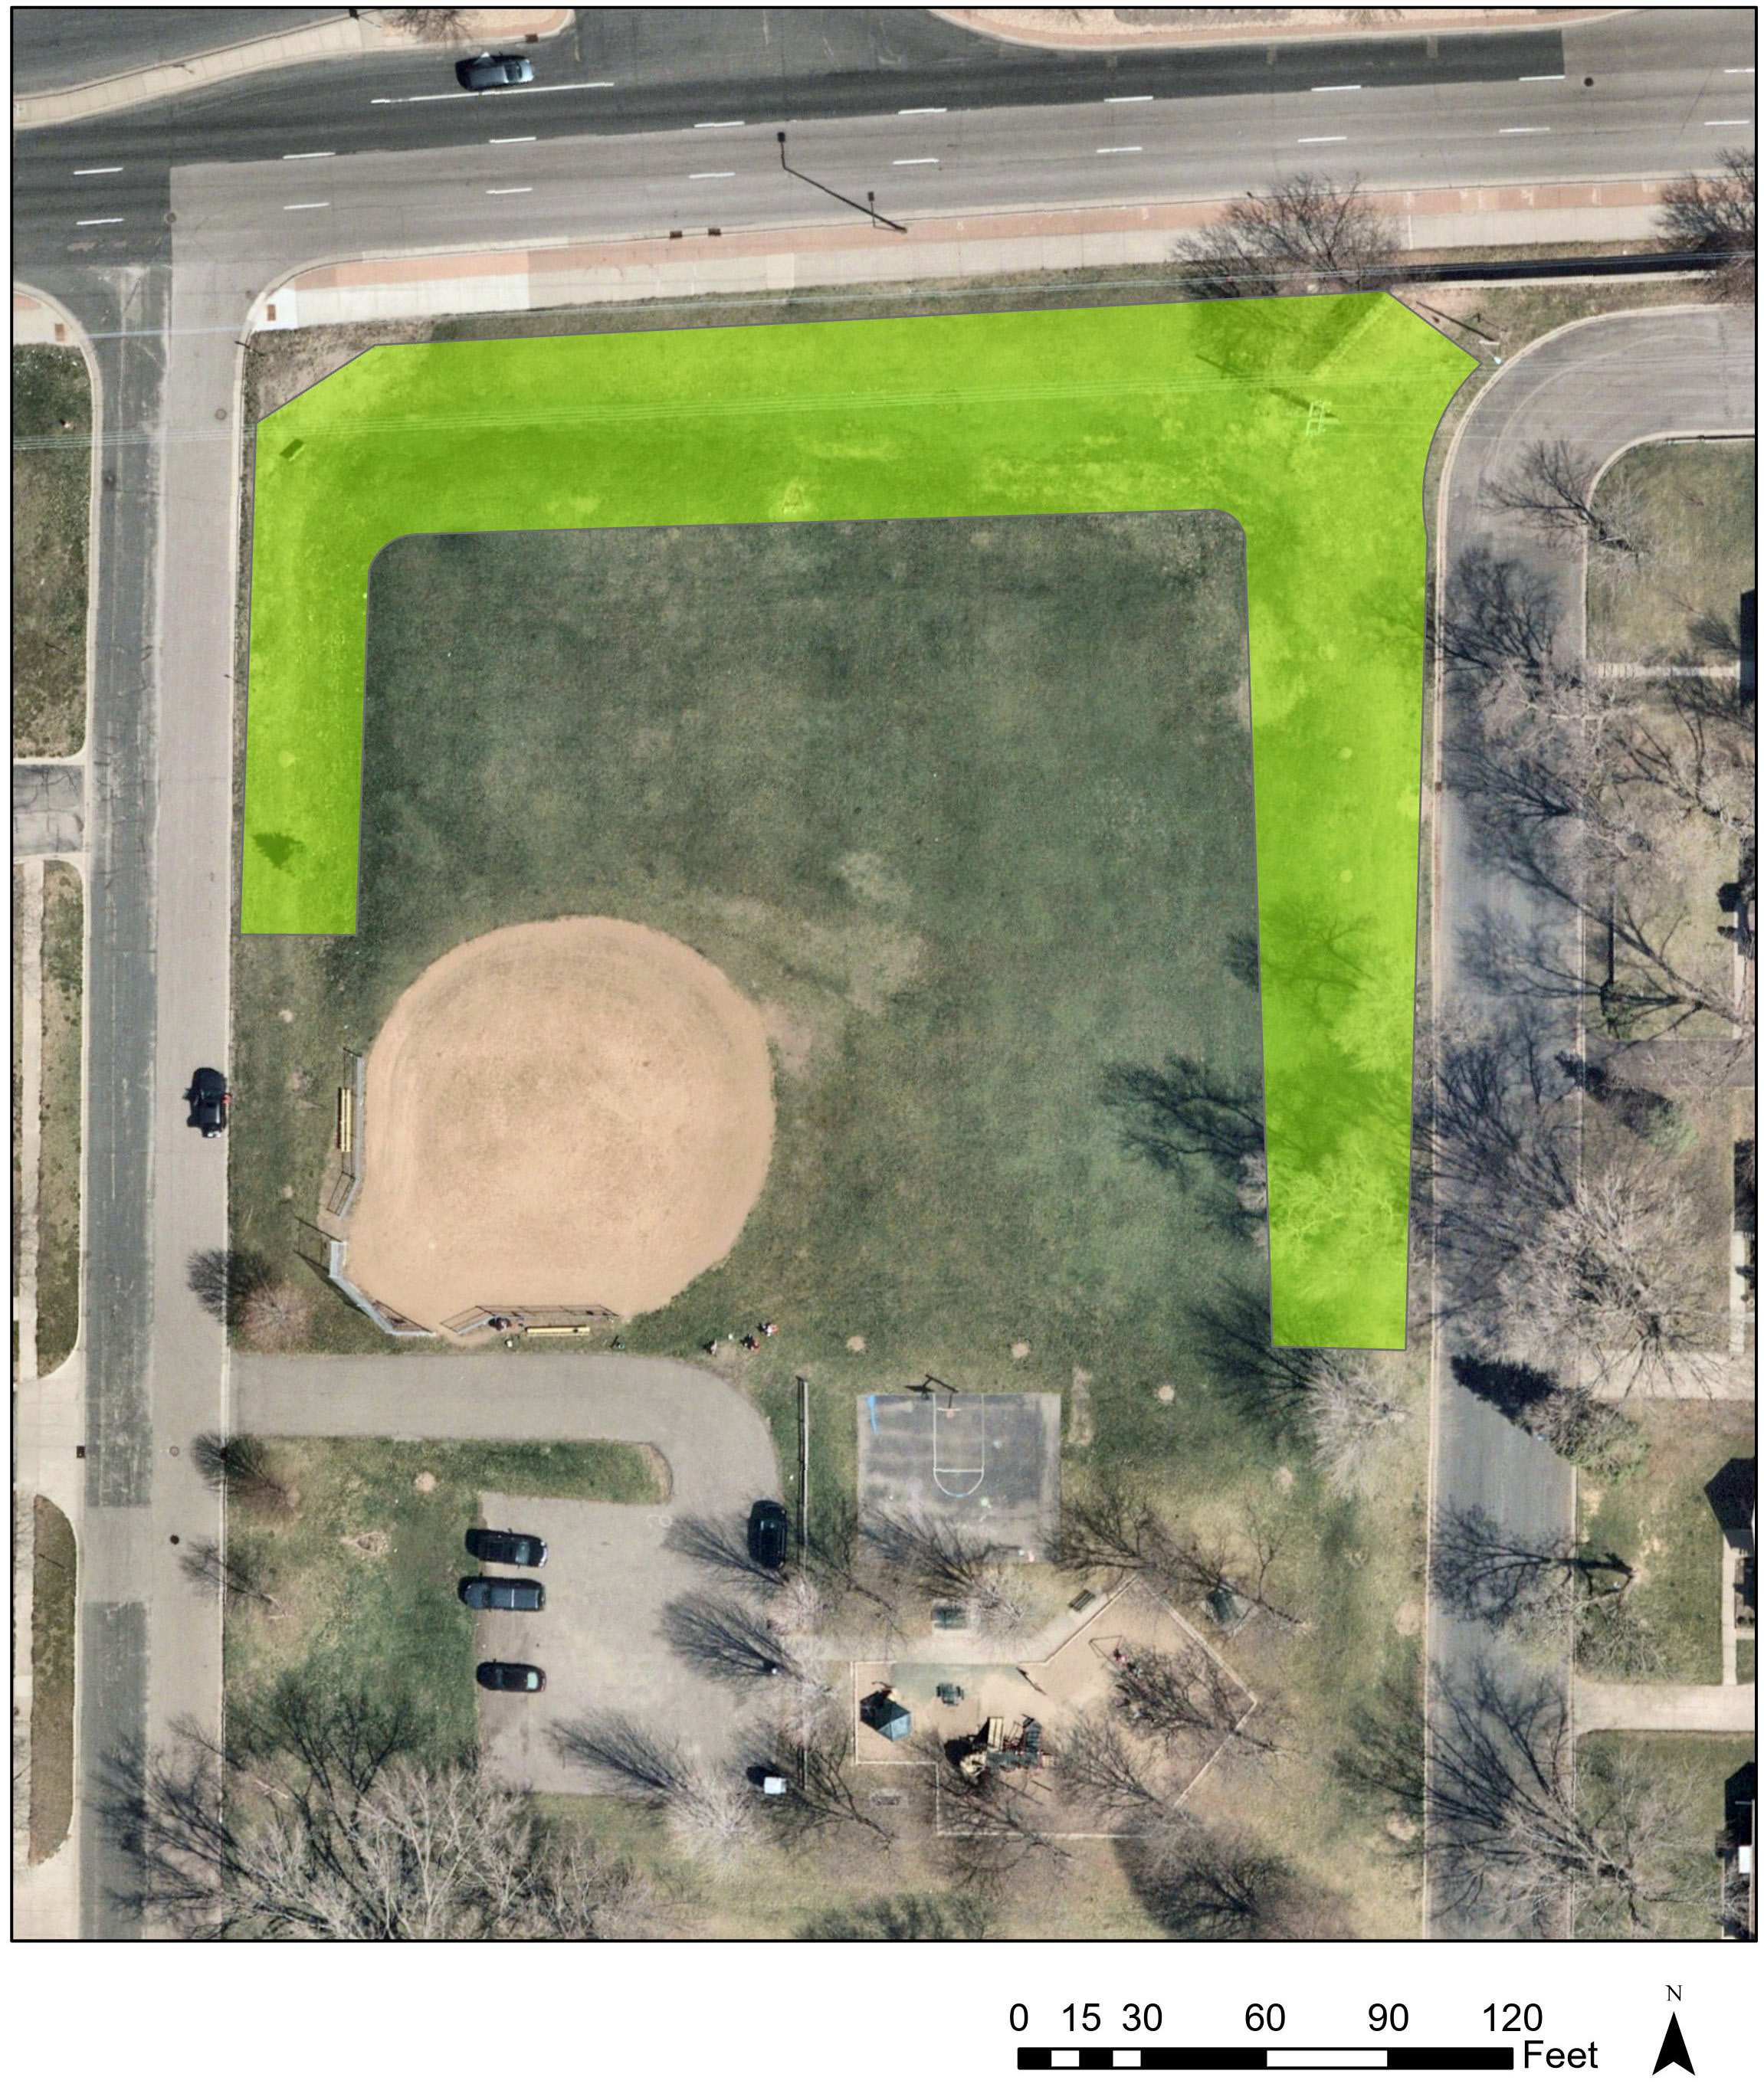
x=569, y=1113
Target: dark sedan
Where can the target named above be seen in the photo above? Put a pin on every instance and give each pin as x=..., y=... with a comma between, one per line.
x=490, y=69
x=207, y=1096
x=514, y=1676
x=503, y=1593
x=505, y=1546
x=768, y=1535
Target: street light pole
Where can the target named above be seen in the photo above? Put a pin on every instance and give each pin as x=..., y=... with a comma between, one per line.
x=870, y=211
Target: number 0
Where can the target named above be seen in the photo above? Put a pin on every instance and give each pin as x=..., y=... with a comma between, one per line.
x=1019, y=2018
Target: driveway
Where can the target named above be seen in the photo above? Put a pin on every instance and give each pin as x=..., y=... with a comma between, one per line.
x=1604, y=384
x=611, y=1571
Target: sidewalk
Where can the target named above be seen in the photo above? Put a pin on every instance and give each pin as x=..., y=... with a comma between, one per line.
x=1115, y=29
x=480, y=27
x=423, y=286
x=1620, y=1706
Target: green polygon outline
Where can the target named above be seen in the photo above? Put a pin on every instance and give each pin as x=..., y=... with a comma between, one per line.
x=1309, y=419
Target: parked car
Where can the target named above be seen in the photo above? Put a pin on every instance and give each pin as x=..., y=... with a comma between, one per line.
x=514, y=1675
x=208, y=1099
x=503, y=1593
x=493, y=69
x=505, y=1546
x=768, y=1534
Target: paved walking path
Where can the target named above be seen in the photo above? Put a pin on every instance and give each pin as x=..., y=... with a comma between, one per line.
x=1618, y=1706
x=344, y=39
x=1117, y=29
x=716, y=1443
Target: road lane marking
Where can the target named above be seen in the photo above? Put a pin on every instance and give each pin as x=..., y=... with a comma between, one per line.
x=78, y=171
x=1108, y=98
x=97, y=220
x=306, y=206
x=309, y=156
x=723, y=123
x=531, y=138
x=728, y=176
x=1733, y=69
x=1525, y=76
x=921, y=112
x=918, y=163
x=1340, y=139
x=1524, y=130
x=1104, y=151
x=1354, y=89
x=460, y=94
x=1727, y=122
x=508, y=191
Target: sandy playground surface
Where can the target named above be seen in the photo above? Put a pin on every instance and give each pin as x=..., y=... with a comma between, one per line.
x=569, y=1113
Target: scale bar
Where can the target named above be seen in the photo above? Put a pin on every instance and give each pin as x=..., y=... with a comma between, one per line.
x=1235, y=2058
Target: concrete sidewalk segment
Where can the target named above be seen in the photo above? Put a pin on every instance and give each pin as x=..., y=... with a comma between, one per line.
x=1116, y=29
x=538, y=277
x=1619, y=1706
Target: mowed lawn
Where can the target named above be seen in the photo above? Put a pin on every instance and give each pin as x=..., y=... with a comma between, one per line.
x=965, y=806
x=1697, y=506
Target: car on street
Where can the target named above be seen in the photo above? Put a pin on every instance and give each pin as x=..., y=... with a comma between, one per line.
x=505, y=1546
x=207, y=1096
x=481, y=1593
x=490, y=69
x=768, y=1534
x=514, y=1676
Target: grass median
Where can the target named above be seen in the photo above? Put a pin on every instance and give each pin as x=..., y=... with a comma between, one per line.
x=51, y=525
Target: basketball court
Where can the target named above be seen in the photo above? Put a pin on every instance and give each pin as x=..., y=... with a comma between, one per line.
x=989, y=1462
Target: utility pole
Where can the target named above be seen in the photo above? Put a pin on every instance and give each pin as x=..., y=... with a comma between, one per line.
x=869, y=209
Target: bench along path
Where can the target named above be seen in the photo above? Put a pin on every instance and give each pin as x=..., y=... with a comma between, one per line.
x=602, y=1636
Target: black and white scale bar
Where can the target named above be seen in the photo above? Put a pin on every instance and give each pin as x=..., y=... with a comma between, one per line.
x=1235, y=2058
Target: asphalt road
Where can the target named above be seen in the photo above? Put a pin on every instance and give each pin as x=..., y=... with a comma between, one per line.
x=1604, y=384
x=928, y=117
x=67, y=46
x=161, y=301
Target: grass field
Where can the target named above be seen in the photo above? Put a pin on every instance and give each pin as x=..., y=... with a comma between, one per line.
x=361, y=1575
x=1659, y=1522
x=53, y=1630
x=57, y=1263
x=1307, y=419
x=1702, y=1763
x=1699, y=510
x=51, y=518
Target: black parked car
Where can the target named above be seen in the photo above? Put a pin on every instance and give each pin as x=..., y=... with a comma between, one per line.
x=503, y=1593
x=514, y=1676
x=493, y=69
x=207, y=1096
x=505, y=1546
x=768, y=1534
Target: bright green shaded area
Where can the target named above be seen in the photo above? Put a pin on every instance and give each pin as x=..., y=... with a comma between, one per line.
x=1307, y=419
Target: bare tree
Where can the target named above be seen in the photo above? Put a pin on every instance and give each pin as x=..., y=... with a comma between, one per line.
x=1205, y=1886
x=1235, y=1570
x=990, y=1826
x=1182, y=1112
x=721, y=1544
x=1100, y=1768
x=1612, y=1277
x=235, y=1572
x=1110, y=1528
x=242, y=1467
x=1554, y=487
x=723, y=1639
x=1172, y=1698
x=224, y=1280
x=1718, y=214
x=910, y=1917
x=426, y=25
x=1352, y=1406
x=1508, y=1581
x=1510, y=1835
x=1308, y=233
x=277, y=1316
x=316, y=1822
x=1502, y=617
x=942, y=1561
x=816, y=1762
x=708, y=1809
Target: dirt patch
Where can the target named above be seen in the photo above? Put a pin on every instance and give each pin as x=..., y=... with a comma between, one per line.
x=569, y=1113
x=1408, y=1619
